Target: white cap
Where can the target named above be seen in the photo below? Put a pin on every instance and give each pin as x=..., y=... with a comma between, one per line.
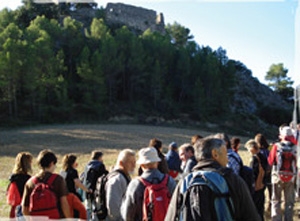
x=286, y=131
x=148, y=155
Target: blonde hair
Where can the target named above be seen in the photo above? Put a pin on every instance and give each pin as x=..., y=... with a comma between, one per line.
x=251, y=144
x=23, y=163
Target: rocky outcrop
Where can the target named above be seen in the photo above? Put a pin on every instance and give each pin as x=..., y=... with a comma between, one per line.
x=250, y=95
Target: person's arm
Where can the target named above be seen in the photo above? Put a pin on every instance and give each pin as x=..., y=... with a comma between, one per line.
x=114, y=193
x=173, y=206
x=272, y=155
x=131, y=208
x=65, y=207
x=78, y=184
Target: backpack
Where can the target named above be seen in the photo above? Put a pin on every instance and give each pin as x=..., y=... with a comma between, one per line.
x=13, y=197
x=91, y=175
x=156, y=199
x=43, y=201
x=223, y=204
x=100, y=208
x=286, y=161
x=259, y=182
x=247, y=174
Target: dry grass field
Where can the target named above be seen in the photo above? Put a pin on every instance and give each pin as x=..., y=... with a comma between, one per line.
x=81, y=140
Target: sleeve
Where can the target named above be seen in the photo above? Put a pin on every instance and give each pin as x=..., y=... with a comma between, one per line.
x=60, y=187
x=131, y=208
x=173, y=206
x=244, y=205
x=272, y=155
x=115, y=189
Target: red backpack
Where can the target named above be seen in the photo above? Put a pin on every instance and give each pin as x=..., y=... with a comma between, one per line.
x=43, y=201
x=286, y=161
x=13, y=197
x=156, y=200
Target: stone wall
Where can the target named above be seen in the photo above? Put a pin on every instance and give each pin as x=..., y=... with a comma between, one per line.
x=133, y=17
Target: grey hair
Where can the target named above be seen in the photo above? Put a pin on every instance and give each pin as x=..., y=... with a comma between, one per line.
x=204, y=147
x=124, y=154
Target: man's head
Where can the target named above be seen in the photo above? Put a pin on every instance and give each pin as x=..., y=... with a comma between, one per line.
x=173, y=146
x=97, y=155
x=186, y=151
x=126, y=161
x=47, y=160
x=211, y=149
x=148, y=158
x=224, y=137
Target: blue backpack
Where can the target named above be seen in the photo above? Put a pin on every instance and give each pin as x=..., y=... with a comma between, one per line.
x=223, y=204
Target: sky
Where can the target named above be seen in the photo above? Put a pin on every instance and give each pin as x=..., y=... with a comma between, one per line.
x=257, y=33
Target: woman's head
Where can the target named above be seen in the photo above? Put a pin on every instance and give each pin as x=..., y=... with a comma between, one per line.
x=68, y=161
x=23, y=163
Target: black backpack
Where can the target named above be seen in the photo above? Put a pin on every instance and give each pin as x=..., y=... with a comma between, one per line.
x=94, y=171
x=247, y=174
x=100, y=209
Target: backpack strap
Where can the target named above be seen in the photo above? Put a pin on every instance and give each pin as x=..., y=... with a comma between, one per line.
x=147, y=183
x=125, y=176
x=49, y=181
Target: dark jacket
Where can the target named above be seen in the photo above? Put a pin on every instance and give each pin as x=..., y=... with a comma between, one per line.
x=173, y=160
x=243, y=205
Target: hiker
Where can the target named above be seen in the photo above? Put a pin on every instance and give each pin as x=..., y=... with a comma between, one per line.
x=187, y=156
x=263, y=146
x=283, y=160
x=117, y=183
x=70, y=174
x=173, y=160
x=132, y=205
x=93, y=170
x=234, y=159
x=259, y=174
x=162, y=165
x=199, y=200
x=235, y=143
x=20, y=175
x=33, y=204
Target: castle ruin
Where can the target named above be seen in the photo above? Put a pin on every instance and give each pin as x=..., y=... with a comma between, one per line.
x=136, y=18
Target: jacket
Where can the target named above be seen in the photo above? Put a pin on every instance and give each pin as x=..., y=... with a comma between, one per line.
x=242, y=201
x=115, y=191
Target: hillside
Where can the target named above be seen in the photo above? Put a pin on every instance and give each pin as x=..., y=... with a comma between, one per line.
x=78, y=63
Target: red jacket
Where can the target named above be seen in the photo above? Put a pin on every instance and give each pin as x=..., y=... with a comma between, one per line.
x=76, y=204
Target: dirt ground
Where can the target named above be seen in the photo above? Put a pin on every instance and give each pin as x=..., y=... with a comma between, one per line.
x=82, y=139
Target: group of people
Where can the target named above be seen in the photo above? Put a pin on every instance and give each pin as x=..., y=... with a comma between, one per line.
x=199, y=180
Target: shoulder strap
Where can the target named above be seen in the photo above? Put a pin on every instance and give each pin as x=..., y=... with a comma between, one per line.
x=49, y=181
x=147, y=183
x=125, y=176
